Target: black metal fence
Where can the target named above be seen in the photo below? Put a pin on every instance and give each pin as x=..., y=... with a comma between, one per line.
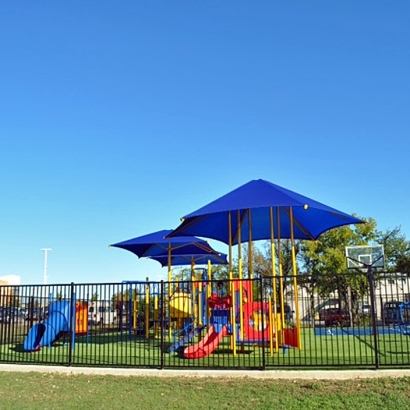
x=264, y=323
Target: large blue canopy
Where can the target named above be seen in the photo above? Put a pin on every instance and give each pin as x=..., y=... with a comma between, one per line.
x=178, y=260
x=155, y=244
x=256, y=201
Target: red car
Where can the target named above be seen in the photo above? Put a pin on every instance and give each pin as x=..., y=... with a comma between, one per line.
x=334, y=316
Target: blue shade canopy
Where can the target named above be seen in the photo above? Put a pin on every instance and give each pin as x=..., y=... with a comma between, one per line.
x=155, y=244
x=259, y=200
x=178, y=260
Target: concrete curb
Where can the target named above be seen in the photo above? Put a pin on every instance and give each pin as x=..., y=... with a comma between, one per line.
x=226, y=374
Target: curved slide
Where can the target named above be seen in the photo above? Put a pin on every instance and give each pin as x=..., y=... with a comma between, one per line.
x=207, y=345
x=44, y=334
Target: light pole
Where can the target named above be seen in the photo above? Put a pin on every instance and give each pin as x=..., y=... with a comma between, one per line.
x=45, y=250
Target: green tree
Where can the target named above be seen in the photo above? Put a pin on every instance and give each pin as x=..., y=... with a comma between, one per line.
x=403, y=264
x=327, y=254
x=324, y=258
x=396, y=250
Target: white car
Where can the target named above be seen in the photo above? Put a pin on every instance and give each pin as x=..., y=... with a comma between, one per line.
x=99, y=314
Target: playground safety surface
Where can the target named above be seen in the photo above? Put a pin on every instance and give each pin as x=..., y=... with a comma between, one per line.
x=227, y=374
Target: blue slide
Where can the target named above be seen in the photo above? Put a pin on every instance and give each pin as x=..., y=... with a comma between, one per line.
x=44, y=334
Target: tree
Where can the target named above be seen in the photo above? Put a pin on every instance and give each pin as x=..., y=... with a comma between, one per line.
x=396, y=250
x=220, y=272
x=403, y=264
x=326, y=256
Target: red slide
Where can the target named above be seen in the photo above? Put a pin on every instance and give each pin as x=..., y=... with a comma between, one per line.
x=207, y=345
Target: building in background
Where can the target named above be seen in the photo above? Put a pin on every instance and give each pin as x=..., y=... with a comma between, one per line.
x=7, y=284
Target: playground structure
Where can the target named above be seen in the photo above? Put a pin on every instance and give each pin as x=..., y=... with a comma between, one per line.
x=209, y=310
x=235, y=315
x=192, y=316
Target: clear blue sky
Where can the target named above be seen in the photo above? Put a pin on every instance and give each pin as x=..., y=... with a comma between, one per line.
x=119, y=117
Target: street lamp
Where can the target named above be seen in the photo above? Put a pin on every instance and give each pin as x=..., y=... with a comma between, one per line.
x=45, y=250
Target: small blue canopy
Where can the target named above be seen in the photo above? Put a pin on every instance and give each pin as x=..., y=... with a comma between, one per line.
x=257, y=201
x=155, y=244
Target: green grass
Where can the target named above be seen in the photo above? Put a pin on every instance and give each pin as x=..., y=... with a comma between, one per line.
x=56, y=391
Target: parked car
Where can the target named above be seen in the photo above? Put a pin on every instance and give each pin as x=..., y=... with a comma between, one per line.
x=100, y=314
x=394, y=314
x=334, y=316
x=364, y=309
x=11, y=315
x=31, y=314
x=37, y=314
x=4, y=317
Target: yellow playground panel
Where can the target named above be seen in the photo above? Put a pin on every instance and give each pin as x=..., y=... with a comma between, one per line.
x=180, y=305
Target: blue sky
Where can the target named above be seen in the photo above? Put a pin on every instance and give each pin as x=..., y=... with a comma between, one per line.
x=118, y=118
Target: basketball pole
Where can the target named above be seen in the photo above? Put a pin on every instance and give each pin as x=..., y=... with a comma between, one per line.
x=370, y=278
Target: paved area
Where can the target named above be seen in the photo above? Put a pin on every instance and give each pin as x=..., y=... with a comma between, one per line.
x=271, y=374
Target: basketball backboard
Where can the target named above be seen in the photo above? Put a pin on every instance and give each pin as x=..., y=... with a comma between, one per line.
x=363, y=257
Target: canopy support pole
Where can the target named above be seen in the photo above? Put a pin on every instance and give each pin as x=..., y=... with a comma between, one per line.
x=282, y=308
x=250, y=250
x=240, y=279
x=169, y=289
x=274, y=290
x=232, y=288
x=295, y=282
x=209, y=294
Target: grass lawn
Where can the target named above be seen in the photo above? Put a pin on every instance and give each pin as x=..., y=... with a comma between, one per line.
x=58, y=391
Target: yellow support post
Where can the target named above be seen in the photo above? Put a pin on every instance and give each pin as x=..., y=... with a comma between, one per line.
x=281, y=301
x=135, y=322
x=273, y=261
x=156, y=316
x=250, y=250
x=208, y=294
x=295, y=282
x=200, y=302
x=241, y=329
x=194, y=306
x=231, y=287
x=271, y=324
x=169, y=290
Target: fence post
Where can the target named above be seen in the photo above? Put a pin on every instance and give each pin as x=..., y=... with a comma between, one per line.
x=370, y=278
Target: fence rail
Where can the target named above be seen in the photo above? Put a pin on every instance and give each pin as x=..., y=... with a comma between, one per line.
x=238, y=324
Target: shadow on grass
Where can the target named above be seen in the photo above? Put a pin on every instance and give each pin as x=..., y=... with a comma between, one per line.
x=19, y=348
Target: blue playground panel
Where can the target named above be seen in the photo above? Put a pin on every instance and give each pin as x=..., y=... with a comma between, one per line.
x=351, y=331
x=219, y=319
x=189, y=336
x=44, y=334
